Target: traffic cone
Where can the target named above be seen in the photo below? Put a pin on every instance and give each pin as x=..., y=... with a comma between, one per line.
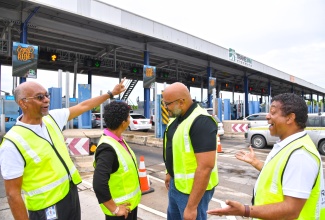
x=219, y=148
x=144, y=180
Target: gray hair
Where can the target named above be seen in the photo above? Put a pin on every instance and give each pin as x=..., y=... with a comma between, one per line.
x=18, y=94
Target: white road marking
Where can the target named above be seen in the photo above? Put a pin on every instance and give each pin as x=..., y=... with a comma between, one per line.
x=154, y=211
x=164, y=215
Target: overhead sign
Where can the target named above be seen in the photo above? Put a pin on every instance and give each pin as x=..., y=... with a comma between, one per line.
x=212, y=84
x=149, y=76
x=240, y=59
x=24, y=60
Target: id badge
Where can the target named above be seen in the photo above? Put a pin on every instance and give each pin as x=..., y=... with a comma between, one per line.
x=51, y=213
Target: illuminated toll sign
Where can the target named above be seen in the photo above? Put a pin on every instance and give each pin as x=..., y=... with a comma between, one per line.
x=149, y=76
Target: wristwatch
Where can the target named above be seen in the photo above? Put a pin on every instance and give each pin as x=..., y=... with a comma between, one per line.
x=110, y=94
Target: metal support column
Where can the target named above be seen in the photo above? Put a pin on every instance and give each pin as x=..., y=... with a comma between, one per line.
x=209, y=95
x=146, y=95
x=246, y=95
x=89, y=81
x=23, y=35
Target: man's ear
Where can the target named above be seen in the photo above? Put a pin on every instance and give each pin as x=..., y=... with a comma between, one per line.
x=22, y=104
x=291, y=118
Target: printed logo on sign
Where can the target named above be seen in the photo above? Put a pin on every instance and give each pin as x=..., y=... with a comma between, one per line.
x=232, y=54
x=24, y=54
x=240, y=59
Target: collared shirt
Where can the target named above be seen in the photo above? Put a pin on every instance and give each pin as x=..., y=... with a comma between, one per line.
x=119, y=139
x=301, y=168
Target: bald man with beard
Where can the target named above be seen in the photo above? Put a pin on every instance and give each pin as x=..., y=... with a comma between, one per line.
x=189, y=155
x=34, y=158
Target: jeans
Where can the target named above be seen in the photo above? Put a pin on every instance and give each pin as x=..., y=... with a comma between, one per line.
x=178, y=201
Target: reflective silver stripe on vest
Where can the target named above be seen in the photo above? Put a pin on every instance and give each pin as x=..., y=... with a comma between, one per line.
x=25, y=146
x=126, y=197
x=51, y=185
x=120, y=157
x=190, y=175
x=184, y=176
x=54, y=126
x=186, y=139
x=274, y=187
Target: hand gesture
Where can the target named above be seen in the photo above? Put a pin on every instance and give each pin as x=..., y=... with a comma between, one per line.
x=124, y=209
x=119, y=88
x=232, y=208
x=245, y=156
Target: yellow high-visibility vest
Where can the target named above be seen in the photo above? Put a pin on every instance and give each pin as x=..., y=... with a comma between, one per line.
x=269, y=188
x=124, y=183
x=183, y=154
x=46, y=180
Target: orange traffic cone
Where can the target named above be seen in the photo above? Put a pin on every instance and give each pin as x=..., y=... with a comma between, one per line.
x=144, y=180
x=219, y=148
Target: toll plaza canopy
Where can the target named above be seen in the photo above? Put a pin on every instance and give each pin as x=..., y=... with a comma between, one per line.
x=82, y=32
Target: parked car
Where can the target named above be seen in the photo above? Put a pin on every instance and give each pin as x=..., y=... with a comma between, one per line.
x=139, y=122
x=96, y=118
x=260, y=137
x=257, y=119
x=221, y=131
x=75, y=123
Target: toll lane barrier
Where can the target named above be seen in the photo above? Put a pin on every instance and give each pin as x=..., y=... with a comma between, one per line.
x=239, y=127
x=78, y=146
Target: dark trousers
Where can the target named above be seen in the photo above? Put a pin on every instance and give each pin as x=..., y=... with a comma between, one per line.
x=67, y=209
x=131, y=216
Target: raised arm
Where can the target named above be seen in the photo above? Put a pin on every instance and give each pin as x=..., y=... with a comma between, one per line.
x=94, y=102
x=15, y=200
x=250, y=158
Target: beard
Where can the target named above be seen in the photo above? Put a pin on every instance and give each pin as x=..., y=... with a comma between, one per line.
x=175, y=113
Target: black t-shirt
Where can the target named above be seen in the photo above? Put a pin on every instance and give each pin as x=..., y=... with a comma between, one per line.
x=203, y=133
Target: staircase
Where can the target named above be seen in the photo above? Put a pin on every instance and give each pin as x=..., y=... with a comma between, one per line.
x=130, y=84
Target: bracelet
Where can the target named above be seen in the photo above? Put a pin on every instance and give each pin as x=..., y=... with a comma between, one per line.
x=247, y=211
x=110, y=94
x=116, y=210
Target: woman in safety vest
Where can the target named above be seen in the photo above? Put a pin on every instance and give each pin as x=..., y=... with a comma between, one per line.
x=116, y=180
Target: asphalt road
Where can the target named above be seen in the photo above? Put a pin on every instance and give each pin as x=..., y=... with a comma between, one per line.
x=236, y=182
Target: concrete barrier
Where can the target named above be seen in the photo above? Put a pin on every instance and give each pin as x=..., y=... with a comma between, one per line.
x=230, y=132
x=137, y=139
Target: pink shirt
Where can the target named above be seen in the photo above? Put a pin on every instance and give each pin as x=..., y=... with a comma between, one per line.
x=119, y=139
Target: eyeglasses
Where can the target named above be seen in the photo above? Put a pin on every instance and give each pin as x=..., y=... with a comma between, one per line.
x=39, y=97
x=166, y=104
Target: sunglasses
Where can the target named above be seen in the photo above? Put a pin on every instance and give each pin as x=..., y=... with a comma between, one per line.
x=166, y=104
x=39, y=97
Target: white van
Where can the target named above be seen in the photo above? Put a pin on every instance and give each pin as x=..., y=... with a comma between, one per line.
x=257, y=119
x=260, y=137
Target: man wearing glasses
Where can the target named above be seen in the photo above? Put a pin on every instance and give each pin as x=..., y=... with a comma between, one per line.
x=189, y=155
x=34, y=158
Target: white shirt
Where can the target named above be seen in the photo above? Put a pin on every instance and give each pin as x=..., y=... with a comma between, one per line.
x=11, y=162
x=301, y=170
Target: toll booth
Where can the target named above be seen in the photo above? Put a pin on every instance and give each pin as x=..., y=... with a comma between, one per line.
x=72, y=102
x=10, y=110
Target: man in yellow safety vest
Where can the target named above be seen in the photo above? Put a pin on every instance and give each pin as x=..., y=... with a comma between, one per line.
x=291, y=182
x=34, y=158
